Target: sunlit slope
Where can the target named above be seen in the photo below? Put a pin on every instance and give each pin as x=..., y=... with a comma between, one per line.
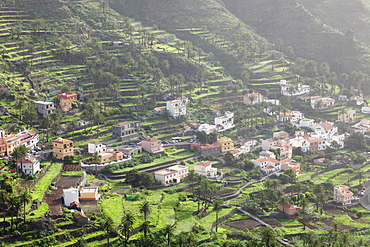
x=310, y=35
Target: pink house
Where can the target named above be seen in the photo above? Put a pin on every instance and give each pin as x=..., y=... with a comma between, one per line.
x=152, y=145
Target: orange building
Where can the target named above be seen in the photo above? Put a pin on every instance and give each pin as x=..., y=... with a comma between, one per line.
x=65, y=101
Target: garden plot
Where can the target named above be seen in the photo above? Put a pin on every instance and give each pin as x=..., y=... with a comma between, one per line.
x=54, y=199
x=244, y=224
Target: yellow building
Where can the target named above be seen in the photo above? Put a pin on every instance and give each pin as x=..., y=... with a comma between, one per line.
x=62, y=147
x=226, y=144
x=65, y=105
x=11, y=143
x=347, y=115
x=109, y=156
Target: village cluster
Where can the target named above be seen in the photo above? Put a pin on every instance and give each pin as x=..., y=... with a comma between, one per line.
x=312, y=136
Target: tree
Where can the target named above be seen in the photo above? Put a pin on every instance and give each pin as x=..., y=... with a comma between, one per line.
x=145, y=226
x=268, y=236
x=26, y=197
x=304, y=203
x=30, y=115
x=284, y=201
x=355, y=142
x=4, y=199
x=107, y=225
x=19, y=153
x=126, y=225
x=217, y=207
x=168, y=231
x=95, y=159
x=145, y=209
x=73, y=126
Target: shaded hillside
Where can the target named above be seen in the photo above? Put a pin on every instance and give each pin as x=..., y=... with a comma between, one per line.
x=297, y=27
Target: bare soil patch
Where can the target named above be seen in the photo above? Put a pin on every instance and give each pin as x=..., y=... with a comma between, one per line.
x=271, y=222
x=333, y=210
x=225, y=192
x=244, y=224
x=311, y=227
x=55, y=198
x=342, y=227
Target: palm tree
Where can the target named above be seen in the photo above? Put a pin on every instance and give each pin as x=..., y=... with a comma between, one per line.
x=14, y=205
x=145, y=227
x=252, y=98
x=107, y=225
x=126, y=225
x=268, y=236
x=4, y=198
x=284, y=201
x=73, y=126
x=168, y=231
x=26, y=197
x=19, y=153
x=217, y=206
x=95, y=159
x=145, y=209
x=304, y=203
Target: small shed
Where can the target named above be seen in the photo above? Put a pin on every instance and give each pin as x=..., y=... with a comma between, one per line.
x=69, y=196
x=81, y=219
x=89, y=193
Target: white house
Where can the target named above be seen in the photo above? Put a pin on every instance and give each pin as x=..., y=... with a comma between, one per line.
x=365, y=110
x=363, y=126
x=339, y=139
x=293, y=90
x=286, y=151
x=250, y=143
x=226, y=122
x=266, y=154
x=29, y=165
x=305, y=123
x=208, y=128
x=205, y=168
x=325, y=102
x=268, y=165
x=70, y=195
x=324, y=130
x=252, y=98
x=296, y=116
x=96, y=147
x=177, y=107
x=173, y=174
x=357, y=100
x=342, y=194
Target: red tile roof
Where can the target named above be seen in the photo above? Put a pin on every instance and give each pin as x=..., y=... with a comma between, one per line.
x=204, y=163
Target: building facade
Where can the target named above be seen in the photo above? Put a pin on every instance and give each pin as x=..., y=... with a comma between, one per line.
x=96, y=147
x=62, y=147
x=108, y=156
x=226, y=144
x=123, y=129
x=152, y=145
x=177, y=107
x=343, y=195
x=29, y=165
x=173, y=174
x=205, y=168
x=347, y=115
x=44, y=108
